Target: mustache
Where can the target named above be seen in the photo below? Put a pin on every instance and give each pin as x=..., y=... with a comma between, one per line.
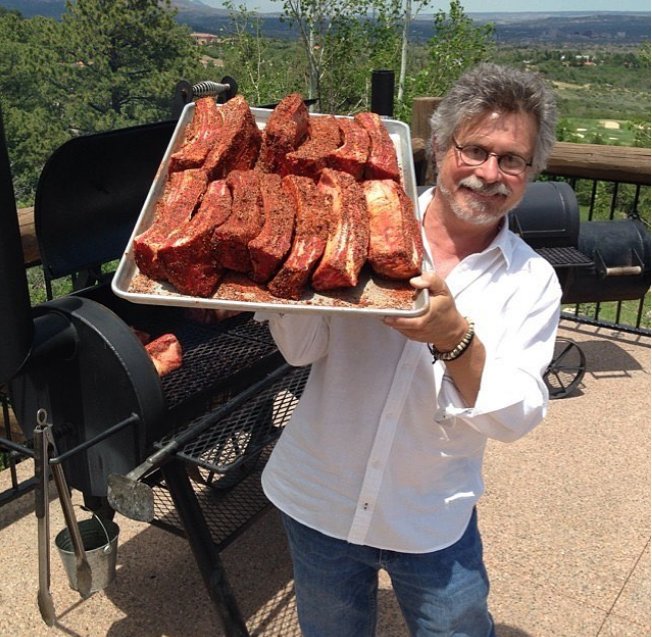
x=477, y=185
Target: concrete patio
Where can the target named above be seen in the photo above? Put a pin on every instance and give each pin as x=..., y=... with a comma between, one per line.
x=565, y=522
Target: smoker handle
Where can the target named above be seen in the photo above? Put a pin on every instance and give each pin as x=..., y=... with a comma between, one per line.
x=619, y=270
x=623, y=270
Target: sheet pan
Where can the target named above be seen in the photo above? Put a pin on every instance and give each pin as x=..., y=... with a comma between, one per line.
x=372, y=295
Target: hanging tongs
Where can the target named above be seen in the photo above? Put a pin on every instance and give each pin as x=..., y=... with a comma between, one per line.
x=44, y=444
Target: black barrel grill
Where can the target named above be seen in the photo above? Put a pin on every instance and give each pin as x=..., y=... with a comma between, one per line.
x=208, y=425
x=595, y=261
x=214, y=419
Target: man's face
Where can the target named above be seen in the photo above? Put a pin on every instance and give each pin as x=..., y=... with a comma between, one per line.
x=484, y=194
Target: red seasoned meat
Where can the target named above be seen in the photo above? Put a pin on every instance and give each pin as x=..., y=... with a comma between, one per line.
x=188, y=258
x=348, y=238
x=395, y=243
x=230, y=241
x=310, y=158
x=238, y=143
x=182, y=194
x=201, y=134
x=351, y=156
x=313, y=218
x=166, y=354
x=286, y=129
x=270, y=247
x=382, y=162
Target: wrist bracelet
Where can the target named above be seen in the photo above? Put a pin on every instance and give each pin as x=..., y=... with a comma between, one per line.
x=458, y=350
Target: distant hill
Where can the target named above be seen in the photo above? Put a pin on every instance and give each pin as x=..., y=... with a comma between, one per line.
x=528, y=27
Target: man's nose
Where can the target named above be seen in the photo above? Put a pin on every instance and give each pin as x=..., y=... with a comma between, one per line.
x=489, y=170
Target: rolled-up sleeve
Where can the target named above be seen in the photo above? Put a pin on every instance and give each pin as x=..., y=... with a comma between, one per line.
x=513, y=396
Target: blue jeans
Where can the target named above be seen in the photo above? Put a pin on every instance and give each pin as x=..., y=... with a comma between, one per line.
x=441, y=594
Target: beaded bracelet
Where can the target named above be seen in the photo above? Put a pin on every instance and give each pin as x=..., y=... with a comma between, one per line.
x=457, y=351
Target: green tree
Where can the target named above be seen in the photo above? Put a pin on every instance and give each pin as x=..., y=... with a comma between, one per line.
x=119, y=61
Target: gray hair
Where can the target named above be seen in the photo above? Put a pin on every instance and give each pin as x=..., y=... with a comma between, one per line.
x=490, y=87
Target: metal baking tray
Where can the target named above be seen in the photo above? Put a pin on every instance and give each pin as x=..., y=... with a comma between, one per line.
x=372, y=295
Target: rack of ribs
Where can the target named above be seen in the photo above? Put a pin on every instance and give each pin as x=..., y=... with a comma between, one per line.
x=310, y=158
x=203, y=130
x=188, y=258
x=230, y=241
x=270, y=247
x=286, y=129
x=313, y=213
x=382, y=162
x=238, y=145
x=395, y=244
x=352, y=155
x=348, y=238
x=182, y=194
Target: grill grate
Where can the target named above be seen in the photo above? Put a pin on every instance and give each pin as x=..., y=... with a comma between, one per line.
x=245, y=428
x=227, y=513
x=211, y=356
x=566, y=257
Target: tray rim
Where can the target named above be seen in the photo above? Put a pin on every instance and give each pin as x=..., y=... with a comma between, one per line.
x=127, y=270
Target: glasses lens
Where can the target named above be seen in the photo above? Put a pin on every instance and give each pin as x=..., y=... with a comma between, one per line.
x=512, y=164
x=474, y=155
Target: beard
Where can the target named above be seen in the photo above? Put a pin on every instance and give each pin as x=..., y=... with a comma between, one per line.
x=474, y=211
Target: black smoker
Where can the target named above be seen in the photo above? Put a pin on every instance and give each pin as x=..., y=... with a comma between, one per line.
x=77, y=363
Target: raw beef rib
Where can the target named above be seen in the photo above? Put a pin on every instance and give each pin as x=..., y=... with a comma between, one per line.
x=312, y=225
x=395, y=244
x=348, y=239
x=382, y=162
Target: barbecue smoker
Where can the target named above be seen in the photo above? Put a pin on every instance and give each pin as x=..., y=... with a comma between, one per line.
x=85, y=391
x=594, y=261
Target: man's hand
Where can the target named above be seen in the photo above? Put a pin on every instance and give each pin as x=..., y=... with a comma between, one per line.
x=442, y=325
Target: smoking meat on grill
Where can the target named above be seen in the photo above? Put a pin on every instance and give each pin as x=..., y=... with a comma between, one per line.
x=310, y=158
x=183, y=191
x=286, y=129
x=352, y=155
x=395, y=245
x=202, y=132
x=348, y=237
x=312, y=225
x=188, y=258
x=230, y=241
x=166, y=354
x=238, y=143
x=270, y=247
x=382, y=162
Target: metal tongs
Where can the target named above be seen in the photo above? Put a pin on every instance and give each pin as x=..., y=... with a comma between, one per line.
x=43, y=445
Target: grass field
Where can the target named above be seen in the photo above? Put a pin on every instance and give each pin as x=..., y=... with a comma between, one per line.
x=614, y=132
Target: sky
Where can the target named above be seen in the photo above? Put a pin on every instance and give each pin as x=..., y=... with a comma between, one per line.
x=487, y=6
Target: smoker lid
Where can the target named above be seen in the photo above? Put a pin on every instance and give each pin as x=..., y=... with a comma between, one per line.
x=90, y=193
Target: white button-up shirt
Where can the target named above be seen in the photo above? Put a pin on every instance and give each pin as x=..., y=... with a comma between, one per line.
x=381, y=449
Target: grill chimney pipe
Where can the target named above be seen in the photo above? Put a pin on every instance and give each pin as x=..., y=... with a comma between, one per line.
x=16, y=324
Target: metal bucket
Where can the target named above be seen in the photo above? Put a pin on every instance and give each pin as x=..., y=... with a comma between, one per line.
x=100, y=539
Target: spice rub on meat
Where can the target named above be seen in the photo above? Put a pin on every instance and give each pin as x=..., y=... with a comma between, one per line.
x=286, y=129
x=395, y=243
x=270, y=247
x=230, y=241
x=310, y=201
x=182, y=193
x=313, y=212
x=348, y=238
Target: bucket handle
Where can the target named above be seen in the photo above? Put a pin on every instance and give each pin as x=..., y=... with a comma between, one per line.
x=107, y=547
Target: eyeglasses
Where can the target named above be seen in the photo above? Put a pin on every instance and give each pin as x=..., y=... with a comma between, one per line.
x=509, y=163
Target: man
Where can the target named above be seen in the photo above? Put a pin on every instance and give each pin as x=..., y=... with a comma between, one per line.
x=380, y=465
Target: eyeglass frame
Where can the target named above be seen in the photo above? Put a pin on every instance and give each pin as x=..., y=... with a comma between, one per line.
x=499, y=158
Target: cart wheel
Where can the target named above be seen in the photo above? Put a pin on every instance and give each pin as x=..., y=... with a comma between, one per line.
x=566, y=369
